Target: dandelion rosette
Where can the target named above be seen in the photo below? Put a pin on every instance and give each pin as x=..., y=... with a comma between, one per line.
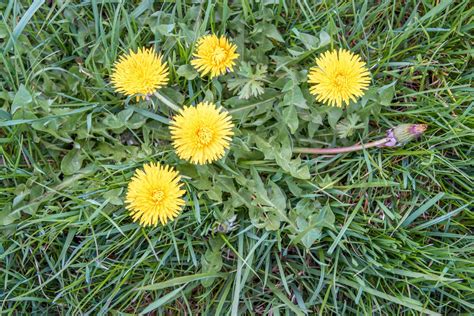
x=201, y=134
x=154, y=195
x=338, y=77
x=214, y=55
x=139, y=74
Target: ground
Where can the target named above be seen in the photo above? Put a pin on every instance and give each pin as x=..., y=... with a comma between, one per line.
x=381, y=231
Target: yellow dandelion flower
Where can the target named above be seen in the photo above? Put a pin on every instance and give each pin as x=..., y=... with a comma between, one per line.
x=339, y=76
x=201, y=134
x=154, y=195
x=139, y=74
x=215, y=55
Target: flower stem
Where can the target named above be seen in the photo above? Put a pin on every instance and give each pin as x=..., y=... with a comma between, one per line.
x=167, y=102
x=396, y=136
x=340, y=150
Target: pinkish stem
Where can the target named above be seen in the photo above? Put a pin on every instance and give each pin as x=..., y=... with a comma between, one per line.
x=340, y=150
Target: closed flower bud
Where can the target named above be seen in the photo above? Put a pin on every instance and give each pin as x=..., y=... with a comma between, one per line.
x=404, y=133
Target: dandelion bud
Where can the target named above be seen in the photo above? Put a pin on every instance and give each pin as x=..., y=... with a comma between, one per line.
x=404, y=133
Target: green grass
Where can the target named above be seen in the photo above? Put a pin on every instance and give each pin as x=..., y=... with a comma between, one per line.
x=382, y=231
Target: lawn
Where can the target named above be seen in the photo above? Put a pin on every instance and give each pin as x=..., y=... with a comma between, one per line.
x=265, y=230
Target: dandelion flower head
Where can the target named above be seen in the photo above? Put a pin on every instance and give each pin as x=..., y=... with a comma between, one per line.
x=154, y=195
x=139, y=74
x=214, y=55
x=201, y=134
x=338, y=77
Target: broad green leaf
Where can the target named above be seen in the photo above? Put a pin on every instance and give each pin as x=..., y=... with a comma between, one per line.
x=271, y=31
x=295, y=97
x=386, y=93
x=309, y=236
x=290, y=117
x=334, y=114
x=308, y=40
x=114, y=196
x=21, y=100
x=7, y=216
x=72, y=162
x=324, y=39
x=277, y=197
x=187, y=71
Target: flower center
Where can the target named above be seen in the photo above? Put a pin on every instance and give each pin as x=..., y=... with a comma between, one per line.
x=158, y=196
x=340, y=80
x=204, y=135
x=219, y=55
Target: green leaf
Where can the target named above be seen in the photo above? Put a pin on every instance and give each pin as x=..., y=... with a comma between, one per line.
x=295, y=97
x=114, y=196
x=277, y=197
x=271, y=31
x=324, y=39
x=173, y=95
x=311, y=220
x=401, y=300
x=386, y=93
x=150, y=115
x=72, y=162
x=290, y=117
x=334, y=114
x=4, y=115
x=296, y=310
x=250, y=83
x=187, y=71
x=271, y=220
x=308, y=235
x=259, y=187
x=180, y=280
x=125, y=115
x=348, y=126
x=265, y=147
x=162, y=300
x=422, y=209
x=8, y=217
x=23, y=22
x=21, y=100
x=113, y=121
x=141, y=8
x=3, y=31
x=271, y=203
x=344, y=228
x=164, y=29
x=212, y=262
x=301, y=173
x=308, y=40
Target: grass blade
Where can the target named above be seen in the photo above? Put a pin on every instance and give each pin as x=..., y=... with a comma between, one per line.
x=422, y=209
x=23, y=22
